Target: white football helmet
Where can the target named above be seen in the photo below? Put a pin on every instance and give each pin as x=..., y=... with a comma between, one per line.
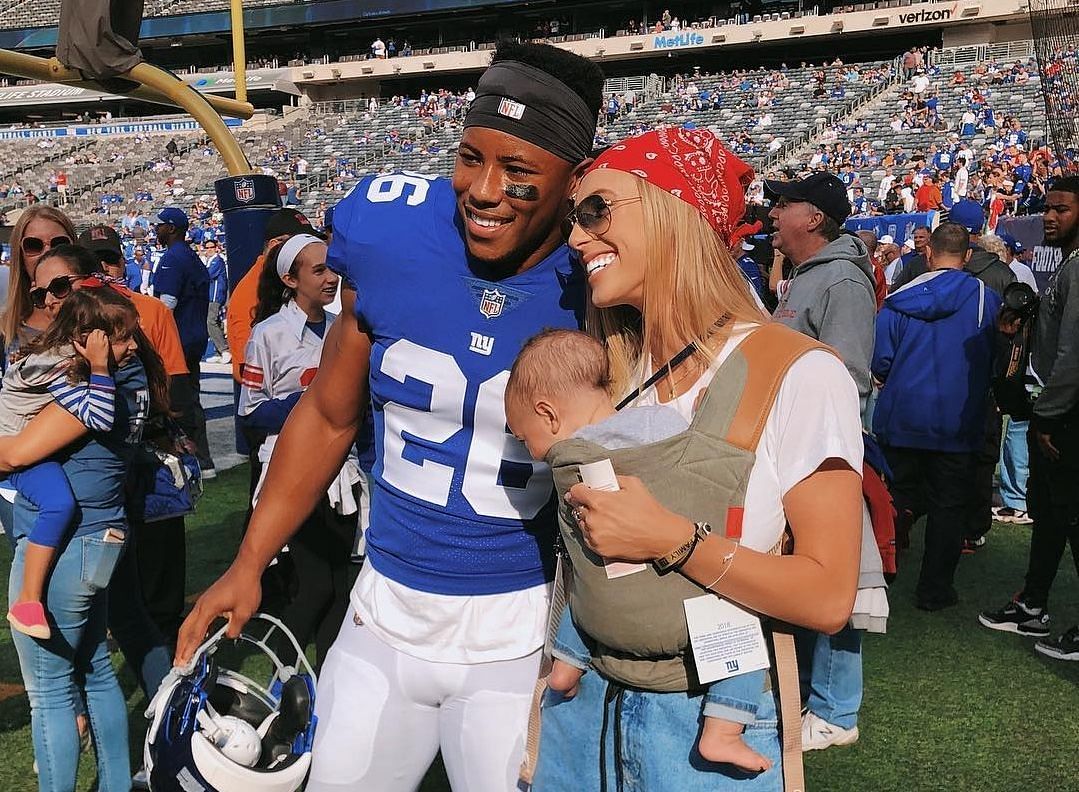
x=215, y=729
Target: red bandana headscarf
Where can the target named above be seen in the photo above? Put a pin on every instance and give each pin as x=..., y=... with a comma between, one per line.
x=693, y=165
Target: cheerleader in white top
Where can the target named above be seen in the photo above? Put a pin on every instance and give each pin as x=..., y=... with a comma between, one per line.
x=281, y=360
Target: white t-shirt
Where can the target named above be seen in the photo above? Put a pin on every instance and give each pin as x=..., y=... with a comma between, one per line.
x=1025, y=274
x=962, y=178
x=814, y=417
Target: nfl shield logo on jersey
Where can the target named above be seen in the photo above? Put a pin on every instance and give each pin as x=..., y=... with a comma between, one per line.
x=491, y=303
x=245, y=190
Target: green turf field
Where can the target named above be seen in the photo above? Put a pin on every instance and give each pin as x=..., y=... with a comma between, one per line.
x=948, y=704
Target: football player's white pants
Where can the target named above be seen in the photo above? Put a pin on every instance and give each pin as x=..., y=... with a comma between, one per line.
x=383, y=716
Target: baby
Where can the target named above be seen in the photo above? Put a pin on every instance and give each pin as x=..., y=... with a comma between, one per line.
x=557, y=390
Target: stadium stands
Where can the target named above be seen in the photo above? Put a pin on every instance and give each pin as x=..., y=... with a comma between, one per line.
x=773, y=118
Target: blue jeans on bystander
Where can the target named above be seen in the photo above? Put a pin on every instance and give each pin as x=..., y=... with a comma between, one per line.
x=1015, y=466
x=75, y=657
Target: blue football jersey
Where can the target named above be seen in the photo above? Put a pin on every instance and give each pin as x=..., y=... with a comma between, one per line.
x=458, y=506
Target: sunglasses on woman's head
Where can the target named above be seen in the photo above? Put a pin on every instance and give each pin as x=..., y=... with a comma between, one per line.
x=32, y=246
x=593, y=214
x=58, y=287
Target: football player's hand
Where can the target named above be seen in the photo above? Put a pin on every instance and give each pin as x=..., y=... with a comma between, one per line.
x=236, y=595
x=565, y=679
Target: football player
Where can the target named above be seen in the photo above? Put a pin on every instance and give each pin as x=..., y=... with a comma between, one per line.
x=441, y=647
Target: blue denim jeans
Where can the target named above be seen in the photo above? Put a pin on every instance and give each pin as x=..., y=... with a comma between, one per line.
x=832, y=666
x=644, y=742
x=733, y=699
x=1015, y=465
x=75, y=657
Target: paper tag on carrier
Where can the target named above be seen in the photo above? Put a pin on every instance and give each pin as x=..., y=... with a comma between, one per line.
x=600, y=476
x=726, y=640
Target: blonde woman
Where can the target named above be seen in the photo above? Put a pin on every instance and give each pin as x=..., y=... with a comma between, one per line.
x=38, y=229
x=653, y=223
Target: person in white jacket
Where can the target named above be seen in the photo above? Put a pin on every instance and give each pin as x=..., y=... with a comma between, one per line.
x=281, y=360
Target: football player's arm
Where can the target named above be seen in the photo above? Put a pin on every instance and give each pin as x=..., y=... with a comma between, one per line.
x=308, y=455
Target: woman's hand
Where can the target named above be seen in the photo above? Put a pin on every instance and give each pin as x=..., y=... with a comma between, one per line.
x=629, y=524
x=96, y=351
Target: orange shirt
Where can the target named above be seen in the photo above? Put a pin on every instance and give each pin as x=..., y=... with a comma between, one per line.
x=240, y=312
x=160, y=327
x=928, y=197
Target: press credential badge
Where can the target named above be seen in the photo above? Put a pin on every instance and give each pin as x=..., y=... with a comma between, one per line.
x=726, y=640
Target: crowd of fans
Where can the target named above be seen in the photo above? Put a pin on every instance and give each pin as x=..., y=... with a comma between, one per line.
x=1008, y=173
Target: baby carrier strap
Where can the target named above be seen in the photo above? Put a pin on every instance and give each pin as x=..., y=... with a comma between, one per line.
x=769, y=352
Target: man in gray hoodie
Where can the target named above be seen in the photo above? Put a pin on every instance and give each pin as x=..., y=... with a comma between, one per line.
x=830, y=297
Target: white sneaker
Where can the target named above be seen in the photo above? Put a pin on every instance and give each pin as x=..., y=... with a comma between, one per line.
x=818, y=734
x=226, y=357
x=213, y=359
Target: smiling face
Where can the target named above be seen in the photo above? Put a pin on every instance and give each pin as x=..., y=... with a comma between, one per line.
x=315, y=284
x=615, y=258
x=511, y=196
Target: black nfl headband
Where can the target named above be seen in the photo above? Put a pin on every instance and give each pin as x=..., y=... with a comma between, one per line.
x=530, y=104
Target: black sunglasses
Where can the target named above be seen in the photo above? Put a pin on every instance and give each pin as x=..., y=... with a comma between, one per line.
x=58, y=287
x=593, y=214
x=32, y=246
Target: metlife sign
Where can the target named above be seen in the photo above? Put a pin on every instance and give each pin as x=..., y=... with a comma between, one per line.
x=669, y=41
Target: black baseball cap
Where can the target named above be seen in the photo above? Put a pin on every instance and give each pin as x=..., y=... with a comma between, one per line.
x=289, y=222
x=824, y=190
x=102, y=239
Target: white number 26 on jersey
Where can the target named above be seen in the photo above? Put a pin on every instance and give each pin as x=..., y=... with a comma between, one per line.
x=491, y=444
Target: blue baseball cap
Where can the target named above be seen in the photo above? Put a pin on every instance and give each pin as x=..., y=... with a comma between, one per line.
x=968, y=214
x=174, y=216
x=1014, y=245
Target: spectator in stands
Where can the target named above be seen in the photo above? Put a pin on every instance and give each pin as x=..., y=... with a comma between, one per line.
x=985, y=266
x=831, y=297
x=928, y=197
x=145, y=265
x=214, y=260
x=183, y=284
x=378, y=48
x=1052, y=494
x=931, y=427
x=38, y=229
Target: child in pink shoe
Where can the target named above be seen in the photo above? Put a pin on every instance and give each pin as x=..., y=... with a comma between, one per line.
x=74, y=370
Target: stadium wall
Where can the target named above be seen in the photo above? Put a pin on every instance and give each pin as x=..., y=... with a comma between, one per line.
x=961, y=22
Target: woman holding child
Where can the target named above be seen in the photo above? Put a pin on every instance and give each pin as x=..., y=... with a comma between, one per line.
x=773, y=439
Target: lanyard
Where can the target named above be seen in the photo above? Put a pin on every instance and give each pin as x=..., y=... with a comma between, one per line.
x=668, y=367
